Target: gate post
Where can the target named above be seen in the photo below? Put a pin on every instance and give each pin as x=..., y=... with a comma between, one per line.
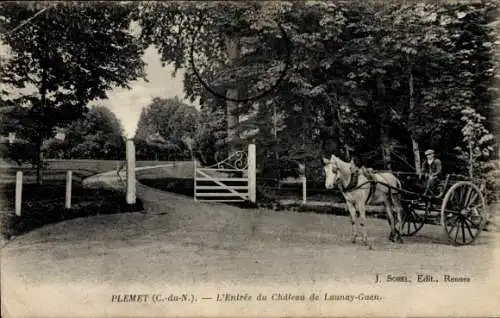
x=252, y=170
x=69, y=183
x=131, y=195
x=304, y=189
x=19, y=192
x=194, y=179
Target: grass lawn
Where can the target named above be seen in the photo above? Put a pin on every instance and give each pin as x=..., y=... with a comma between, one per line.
x=44, y=205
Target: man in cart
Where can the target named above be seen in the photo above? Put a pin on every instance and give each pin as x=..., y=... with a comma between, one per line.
x=431, y=171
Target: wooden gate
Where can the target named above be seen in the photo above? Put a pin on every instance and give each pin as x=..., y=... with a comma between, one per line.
x=231, y=180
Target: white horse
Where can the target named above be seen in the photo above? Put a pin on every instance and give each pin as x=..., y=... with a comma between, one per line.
x=360, y=187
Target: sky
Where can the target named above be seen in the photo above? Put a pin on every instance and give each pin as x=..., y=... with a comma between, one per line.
x=128, y=104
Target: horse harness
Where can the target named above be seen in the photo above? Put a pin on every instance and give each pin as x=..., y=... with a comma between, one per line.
x=353, y=183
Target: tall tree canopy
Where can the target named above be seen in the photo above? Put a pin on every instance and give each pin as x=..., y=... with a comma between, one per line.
x=371, y=80
x=66, y=56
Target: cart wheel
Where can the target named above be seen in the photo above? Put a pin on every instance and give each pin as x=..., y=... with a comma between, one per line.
x=412, y=222
x=463, y=213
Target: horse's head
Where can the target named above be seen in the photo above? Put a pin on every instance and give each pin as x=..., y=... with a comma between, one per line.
x=331, y=172
x=335, y=170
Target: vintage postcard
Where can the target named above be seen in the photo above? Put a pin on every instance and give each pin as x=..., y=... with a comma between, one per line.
x=249, y=158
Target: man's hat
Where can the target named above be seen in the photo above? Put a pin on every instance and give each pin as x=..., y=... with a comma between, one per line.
x=429, y=152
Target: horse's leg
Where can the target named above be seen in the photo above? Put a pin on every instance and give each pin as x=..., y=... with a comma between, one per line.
x=390, y=218
x=391, y=234
x=362, y=217
x=398, y=209
x=352, y=211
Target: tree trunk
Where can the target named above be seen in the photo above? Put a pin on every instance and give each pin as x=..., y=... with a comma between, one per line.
x=330, y=133
x=275, y=123
x=233, y=52
x=385, y=145
x=276, y=143
x=342, y=135
x=41, y=133
x=414, y=143
x=471, y=162
x=39, y=159
x=384, y=128
x=43, y=126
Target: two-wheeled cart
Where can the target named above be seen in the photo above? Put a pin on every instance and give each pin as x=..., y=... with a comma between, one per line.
x=459, y=208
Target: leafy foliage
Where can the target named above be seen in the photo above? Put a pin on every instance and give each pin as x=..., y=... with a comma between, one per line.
x=367, y=80
x=377, y=82
x=65, y=57
x=98, y=135
x=210, y=143
x=478, y=142
x=165, y=128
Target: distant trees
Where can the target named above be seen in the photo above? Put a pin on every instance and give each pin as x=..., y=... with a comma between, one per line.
x=165, y=129
x=210, y=138
x=16, y=120
x=98, y=135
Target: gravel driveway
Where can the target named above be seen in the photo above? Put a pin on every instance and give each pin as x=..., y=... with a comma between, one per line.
x=257, y=249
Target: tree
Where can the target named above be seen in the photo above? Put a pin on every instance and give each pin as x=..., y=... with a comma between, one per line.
x=98, y=135
x=209, y=140
x=68, y=55
x=222, y=32
x=354, y=86
x=16, y=120
x=478, y=142
x=166, y=124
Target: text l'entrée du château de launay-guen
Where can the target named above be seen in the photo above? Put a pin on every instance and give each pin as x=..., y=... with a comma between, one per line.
x=242, y=297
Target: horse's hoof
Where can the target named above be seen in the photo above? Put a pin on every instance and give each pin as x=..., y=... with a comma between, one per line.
x=353, y=240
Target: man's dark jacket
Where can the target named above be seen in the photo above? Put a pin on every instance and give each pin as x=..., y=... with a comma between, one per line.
x=434, y=169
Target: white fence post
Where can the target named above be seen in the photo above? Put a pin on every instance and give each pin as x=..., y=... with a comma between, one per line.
x=194, y=179
x=131, y=194
x=19, y=192
x=69, y=183
x=252, y=170
x=304, y=189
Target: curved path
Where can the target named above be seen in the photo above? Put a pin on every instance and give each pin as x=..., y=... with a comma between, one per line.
x=74, y=268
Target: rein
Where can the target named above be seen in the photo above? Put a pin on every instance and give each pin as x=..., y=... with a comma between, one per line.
x=384, y=184
x=352, y=186
x=354, y=178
